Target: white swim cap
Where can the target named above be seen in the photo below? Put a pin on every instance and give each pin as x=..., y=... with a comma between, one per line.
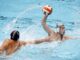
x=57, y=30
x=59, y=24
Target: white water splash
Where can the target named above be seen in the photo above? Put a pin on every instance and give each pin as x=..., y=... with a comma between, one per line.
x=11, y=24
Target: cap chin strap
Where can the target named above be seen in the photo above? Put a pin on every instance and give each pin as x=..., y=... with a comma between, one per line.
x=61, y=35
x=13, y=34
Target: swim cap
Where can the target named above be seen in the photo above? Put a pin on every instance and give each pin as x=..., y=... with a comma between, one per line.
x=59, y=25
x=47, y=9
x=14, y=35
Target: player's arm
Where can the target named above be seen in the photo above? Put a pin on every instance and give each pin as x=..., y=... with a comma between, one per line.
x=44, y=24
x=38, y=41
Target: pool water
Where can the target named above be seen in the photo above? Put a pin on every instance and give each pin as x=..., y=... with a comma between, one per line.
x=26, y=16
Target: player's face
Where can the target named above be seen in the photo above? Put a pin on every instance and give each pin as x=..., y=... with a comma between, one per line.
x=62, y=30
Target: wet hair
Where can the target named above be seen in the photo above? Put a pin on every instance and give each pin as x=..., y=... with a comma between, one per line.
x=14, y=35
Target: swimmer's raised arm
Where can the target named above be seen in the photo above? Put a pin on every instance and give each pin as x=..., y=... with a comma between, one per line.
x=45, y=26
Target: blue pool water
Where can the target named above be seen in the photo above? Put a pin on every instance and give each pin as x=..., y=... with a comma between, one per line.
x=26, y=16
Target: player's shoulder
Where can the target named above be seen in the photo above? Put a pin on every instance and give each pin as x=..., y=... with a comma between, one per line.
x=7, y=40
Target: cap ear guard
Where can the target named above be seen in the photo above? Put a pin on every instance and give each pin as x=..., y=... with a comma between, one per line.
x=57, y=30
x=12, y=35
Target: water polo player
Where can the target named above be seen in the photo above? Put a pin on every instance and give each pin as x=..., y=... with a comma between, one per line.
x=11, y=45
x=52, y=35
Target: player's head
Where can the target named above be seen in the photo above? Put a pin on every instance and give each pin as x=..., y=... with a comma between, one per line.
x=14, y=35
x=61, y=29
